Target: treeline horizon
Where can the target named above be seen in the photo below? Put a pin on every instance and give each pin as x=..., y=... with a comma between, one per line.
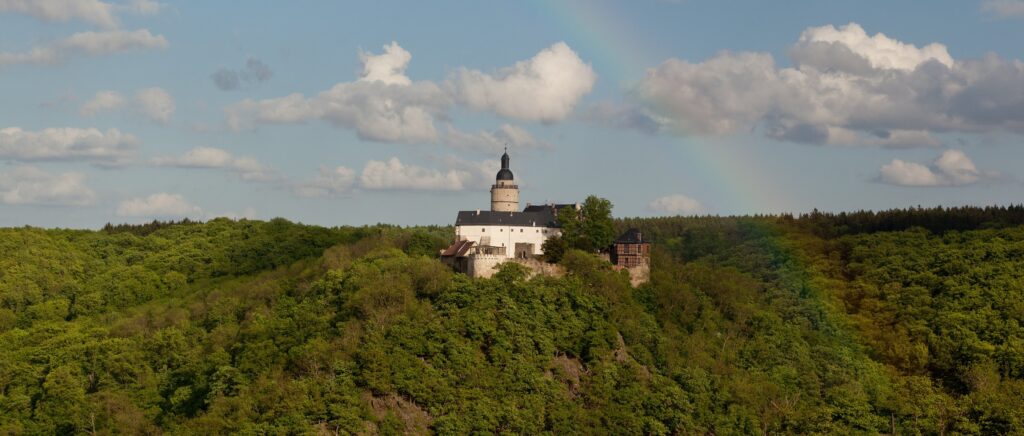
x=935, y=218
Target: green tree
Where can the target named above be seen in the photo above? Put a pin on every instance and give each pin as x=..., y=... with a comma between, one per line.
x=598, y=230
x=589, y=229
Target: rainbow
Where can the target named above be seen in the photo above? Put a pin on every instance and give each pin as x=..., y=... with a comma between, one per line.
x=618, y=54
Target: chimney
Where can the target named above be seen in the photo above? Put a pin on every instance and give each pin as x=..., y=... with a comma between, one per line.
x=478, y=211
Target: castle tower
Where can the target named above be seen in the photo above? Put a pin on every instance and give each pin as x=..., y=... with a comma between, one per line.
x=504, y=192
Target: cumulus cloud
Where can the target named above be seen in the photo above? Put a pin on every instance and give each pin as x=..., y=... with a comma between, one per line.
x=394, y=175
x=492, y=140
x=102, y=101
x=827, y=47
x=330, y=181
x=96, y=12
x=255, y=71
x=92, y=11
x=87, y=44
x=382, y=105
x=676, y=204
x=54, y=144
x=247, y=168
x=1004, y=8
x=30, y=185
x=544, y=88
x=160, y=205
x=387, y=68
x=155, y=103
x=846, y=87
x=952, y=168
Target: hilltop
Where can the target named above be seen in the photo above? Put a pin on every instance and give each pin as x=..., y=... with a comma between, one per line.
x=905, y=321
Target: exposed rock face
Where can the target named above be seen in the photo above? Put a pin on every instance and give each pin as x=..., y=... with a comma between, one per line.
x=415, y=420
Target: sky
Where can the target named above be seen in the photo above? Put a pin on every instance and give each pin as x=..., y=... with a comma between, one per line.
x=351, y=113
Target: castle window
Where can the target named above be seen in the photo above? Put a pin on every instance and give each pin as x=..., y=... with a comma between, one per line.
x=520, y=230
x=483, y=229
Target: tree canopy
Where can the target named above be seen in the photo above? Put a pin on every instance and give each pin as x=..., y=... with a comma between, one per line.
x=589, y=229
x=774, y=324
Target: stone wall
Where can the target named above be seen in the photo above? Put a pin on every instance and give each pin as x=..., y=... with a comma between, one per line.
x=540, y=267
x=638, y=275
x=483, y=265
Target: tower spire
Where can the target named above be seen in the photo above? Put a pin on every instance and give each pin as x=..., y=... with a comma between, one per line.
x=504, y=192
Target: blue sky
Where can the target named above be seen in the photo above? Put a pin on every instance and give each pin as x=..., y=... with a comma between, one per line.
x=356, y=113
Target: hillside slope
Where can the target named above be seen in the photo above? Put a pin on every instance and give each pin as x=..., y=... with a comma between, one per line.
x=749, y=325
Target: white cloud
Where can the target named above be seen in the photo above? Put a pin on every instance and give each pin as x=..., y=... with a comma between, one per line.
x=30, y=185
x=957, y=168
x=1004, y=8
x=544, y=88
x=102, y=101
x=155, y=103
x=330, y=181
x=99, y=13
x=394, y=175
x=845, y=88
x=493, y=140
x=92, y=11
x=86, y=43
x=247, y=168
x=676, y=204
x=382, y=105
x=880, y=51
x=161, y=205
x=111, y=147
x=200, y=157
x=385, y=105
x=903, y=173
x=387, y=68
x=952, y=168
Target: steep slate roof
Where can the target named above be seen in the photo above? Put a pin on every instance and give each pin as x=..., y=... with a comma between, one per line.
x=540, y=207
x=631, y=236
x=543, y=218
x=457, y=249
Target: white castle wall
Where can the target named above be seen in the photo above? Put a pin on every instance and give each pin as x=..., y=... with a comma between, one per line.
x=508, y=236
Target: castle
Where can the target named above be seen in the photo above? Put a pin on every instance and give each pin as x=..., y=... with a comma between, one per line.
x=486, y=238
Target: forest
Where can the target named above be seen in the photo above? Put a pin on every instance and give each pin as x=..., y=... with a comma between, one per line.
x=896, y=322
